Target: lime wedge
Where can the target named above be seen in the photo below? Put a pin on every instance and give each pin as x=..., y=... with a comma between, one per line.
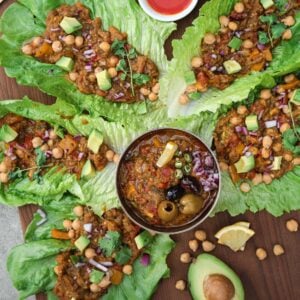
x=167, y=154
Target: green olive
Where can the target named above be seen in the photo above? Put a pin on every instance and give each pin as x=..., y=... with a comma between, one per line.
x=190, y=204
x=167, y=211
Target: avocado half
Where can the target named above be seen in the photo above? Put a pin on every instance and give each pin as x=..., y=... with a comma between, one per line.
x=219, y=274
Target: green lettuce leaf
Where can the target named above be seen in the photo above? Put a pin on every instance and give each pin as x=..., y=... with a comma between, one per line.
x=23, y=20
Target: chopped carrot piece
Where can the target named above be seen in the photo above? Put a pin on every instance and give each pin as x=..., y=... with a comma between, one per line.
x=59, y=235
x=258, y=67
x=116, y=277
x=156, y=142
x=290, y=85
x=44, y=50
x=268, y=54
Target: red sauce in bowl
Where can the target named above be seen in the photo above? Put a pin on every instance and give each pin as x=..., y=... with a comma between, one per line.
x=168, y=7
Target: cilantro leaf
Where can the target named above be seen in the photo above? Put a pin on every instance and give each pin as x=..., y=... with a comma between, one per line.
x=37, y=177
x=123, y=256
x=277, y=30
x=132, y=53
x=40, y=157
x=17, y=173
x=140, y=79
x=282, y=5
x=110, y=242
x=263, y=37
x=269, y=19
x=122, y=66
x=291, y=140
x=118, y=48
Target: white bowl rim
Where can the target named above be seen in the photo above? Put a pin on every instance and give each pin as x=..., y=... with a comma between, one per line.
x=166, y=18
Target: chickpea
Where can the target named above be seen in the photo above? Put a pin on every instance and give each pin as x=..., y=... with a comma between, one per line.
x=265, y=94
x=36, y=142
x=288, y=21
x=4, y=177
x=57, y=46
x=197, y=62
x=73, y=76
x=57, y=270
x=57, y=153
x=113, y=61
x=287, y=156
x=200, y=235
x=267, y=141
x=261, y=253
x=110, y=155
x=223, y=166
x=104, y=46
x=180, y=285
x=287, y=34
x=235, y=120
x=3, y=167
x=242, y=109
x=76, y=224
x=232, y=26
x=245, y=187
x=194, y=245
x=292, y=225
x=45, y=148
x=284, y=127
x=277, y=147
x=267, y=179
x=184, y=99
x=191, y=88
x=79, y=41
x=67, y=224
x=286, y=109
x=92, y=77
x=127, y=269
x=89, y=253
x=253, y=150
x=95, y=288
x=258, y=178
x=50, y=143
x=185, y=258
x=78, y=210
x=239, y=7
x=208, y=246
x=112, y=72
x=289, y=78
x=105, y=282
x=265, y=153
x=278, y=250
x=248, y=44
x=27, y=49
x=69, y=40
x=152, y=97
x=155, y=88
x=296, y=161
x=98, y=70
x=116, y=158
x=71, y=234
x=144, y=91
x=52, y=134
x=209, y=38
x=224, y=21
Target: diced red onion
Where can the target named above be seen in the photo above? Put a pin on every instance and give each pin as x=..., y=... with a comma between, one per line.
x=48, y=153
x=260, y=114
x=209, y=161
x=246, y=149
x=244, y=130
x=88, y=52
x=107, y=263
x=214, y=56
x=48, y=41
x=88, y=227
x=145, y=259
x=271, y=123
x=88, y=68
x=214, y=68
x=261, y=47
x=238, y=129
x=79, y=265
x=98, y=265
x=248, y=154
x=118, y=95
x=55, y=29
x=75, y=50
x=253, y=133
x=80, y=156
x=13, y=157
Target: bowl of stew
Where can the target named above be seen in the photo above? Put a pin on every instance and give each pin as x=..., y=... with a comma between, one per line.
x=168, y=180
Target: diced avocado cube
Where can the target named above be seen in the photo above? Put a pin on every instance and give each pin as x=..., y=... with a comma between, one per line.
x=194, y=96
x=231, y=66
x=95, y=140
x=66, y=63
x=189, y=78
x=251, y=122
x=266, y=3
x=235, y=43
x=143, y=239
x=296, y=97
x=245, y=164
x=96, y=276
x=7, y=134
x=277, y=163
x=82, y=242
x=88, y=169
x=103, y=80
x=70, y=25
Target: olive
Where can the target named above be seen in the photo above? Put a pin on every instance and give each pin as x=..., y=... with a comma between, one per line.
x=190, y=184
x=174, y=192
x=167, y=211
x=190, y=204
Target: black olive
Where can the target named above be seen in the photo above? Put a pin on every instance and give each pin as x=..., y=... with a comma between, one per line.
x=174, y=192
x=190, y=184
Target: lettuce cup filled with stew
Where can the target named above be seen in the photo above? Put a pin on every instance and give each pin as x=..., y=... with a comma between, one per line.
x=168, y=180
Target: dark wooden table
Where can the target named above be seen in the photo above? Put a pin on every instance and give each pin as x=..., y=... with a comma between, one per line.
x=276, y=278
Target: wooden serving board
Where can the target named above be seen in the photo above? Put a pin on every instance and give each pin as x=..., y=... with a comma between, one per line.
x=276, y=278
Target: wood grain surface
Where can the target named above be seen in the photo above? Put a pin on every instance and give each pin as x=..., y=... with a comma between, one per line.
x=276, y=278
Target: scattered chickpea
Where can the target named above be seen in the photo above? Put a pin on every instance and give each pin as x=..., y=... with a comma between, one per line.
x=89, y=253
x=258, y=178
x=261, y=253
x=127, y=269
x=245, y=187
x=152, y=97
x=292, y=225
x=232, y=26
x=191, y=88
x=224, y=21
x=50, y=143
x=267, y=141
x=248, y=44
x=79, y=41
x=286, y=109
x=197, y=62
x=4, y=177
x=36, y=142
x=67, y=224
x=78, y=210
x=71, y=234
x=267, y=179
x=105, y=282
x=57, y=270
x=57, y=153
x=105, y=46
x=144, y=91
x=278, y=250
x=95, y=288
x=92, y=77
x=253, y=150
x=200, y=235
x=296, y=161
x=180, y=285
x=239, y=7
x=209, y=38
x=265, y=153
x=76, y=224
x=265, y=94
x=57, y=46
x=208, y=246
x=287, y=34
x=235, y=120
x=185, y=258
x=155, y=88
x=73, y=76
x=45, y=148
x=113, y=61
x=289, y=78
x=184, y=99
x=284, y=127
x=27, y=49
x=277, y=147
x=98, y=69
x=288, y=21
x=112, y=72
x=223, y=166
x=287, y=156
x=116, y=158
x=69, y=40
x=194, y=245
x=109, y=155
x=242, y=109
x=3, y=167
x=37, y=41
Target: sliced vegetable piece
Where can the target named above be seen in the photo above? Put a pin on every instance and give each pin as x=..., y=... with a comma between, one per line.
x=167, y=154
x=66, y=63
x=95, y=140
x=267, y=3
x=70, y=25
x=231, y=66
x=235, y=43
x=82, y=242
x=96, y=276
x=296, y=97
x=251, y=122
x=143, y=239
x=88, y=170
x=277, y=163
x=245, y=164
x=59, y=235
x=103, y=80
x=7, y=134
